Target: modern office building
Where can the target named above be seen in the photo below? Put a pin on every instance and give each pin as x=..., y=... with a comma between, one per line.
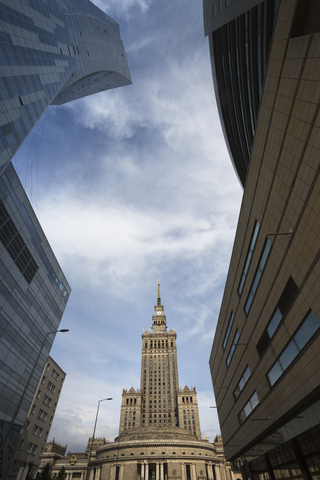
x=52, y=53
x=240, y=34
x=34, y=434
x=265, y=359
x=33, y=295
x=159, y=432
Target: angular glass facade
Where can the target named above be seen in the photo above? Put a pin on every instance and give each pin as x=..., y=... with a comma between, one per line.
x=52, y=53
x=239, y=52
x=33, y=295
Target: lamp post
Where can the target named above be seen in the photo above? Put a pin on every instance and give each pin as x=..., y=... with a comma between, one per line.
x=63, y=330
x=94, y=431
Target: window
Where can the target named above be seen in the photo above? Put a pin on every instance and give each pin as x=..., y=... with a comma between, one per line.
x=117, y=473
x=51, y=387
x=37, y=430
x=249, y=256
x=55, y=374
x=283, y=305
x=32, y=448
x=15, y=246
x=228, y=331
x=42, y=414
x=47, y=400
x=232, y=348
x=248, y=408
x=243, y=380
x=306, y=331
x=257, y=277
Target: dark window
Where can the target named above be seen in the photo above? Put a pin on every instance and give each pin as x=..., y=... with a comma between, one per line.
x=257, y=277
x=283, y=305
x=249, y=256
x=233, y=346
x=15, y=245
x=308, y=328
x=228, y=330
x=117, y=473
x=248, y=408
x=188, y=472
x=243, y=380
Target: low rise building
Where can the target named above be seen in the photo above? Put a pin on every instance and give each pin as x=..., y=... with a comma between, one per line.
x=34, y=434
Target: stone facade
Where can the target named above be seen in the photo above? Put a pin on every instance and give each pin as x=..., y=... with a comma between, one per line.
x=33, y=436
x=169, y=453
x=159, y=433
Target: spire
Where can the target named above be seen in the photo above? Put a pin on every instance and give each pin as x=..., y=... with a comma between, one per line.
x=159, y=299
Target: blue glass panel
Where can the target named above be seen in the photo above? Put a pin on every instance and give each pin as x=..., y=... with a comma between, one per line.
x=305, y=332
x=275, y=373
x=276, y=319
x=254, y=400
x=288, y=355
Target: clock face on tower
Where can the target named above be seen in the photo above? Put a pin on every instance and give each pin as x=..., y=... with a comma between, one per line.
x=158, y=313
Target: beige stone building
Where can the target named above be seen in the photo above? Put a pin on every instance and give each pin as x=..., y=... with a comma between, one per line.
x=33, y=436
x=159, y=432
x=265, y=359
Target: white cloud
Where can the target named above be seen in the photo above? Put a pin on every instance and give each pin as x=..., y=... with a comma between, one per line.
x=123, y=8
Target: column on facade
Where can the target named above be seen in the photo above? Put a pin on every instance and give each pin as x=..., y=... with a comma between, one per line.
x=91, y=476
x=210, y=471
x=193, y=474
x=142, y=471
x=223, y=472
x=183, y=472
x=217, y=472
x=157, y=471
x=161, y=471
x=210, y=468
x=98, y=474
x=230, y=473
x=121, y=472
x=147, y=472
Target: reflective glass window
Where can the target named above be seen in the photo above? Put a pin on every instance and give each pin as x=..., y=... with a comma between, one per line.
x=249, y=256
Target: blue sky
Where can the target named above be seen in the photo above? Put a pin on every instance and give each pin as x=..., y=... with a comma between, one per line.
x=135, y=186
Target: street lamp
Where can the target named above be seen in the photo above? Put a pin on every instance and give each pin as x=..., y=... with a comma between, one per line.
x=63, y=330
x=94, y=431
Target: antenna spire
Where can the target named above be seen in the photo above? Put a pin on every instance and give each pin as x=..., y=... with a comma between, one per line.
x=159, y=299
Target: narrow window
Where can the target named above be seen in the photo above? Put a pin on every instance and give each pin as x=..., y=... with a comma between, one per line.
x=257, y=277
x=249, y=256
x=228, y=330
x=306, y=331
x=249, y=407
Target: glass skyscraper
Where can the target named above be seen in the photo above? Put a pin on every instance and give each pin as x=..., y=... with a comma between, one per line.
x=33, y=295
x=52, y=53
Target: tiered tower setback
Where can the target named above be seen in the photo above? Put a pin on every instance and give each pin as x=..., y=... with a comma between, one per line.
x=159, y=401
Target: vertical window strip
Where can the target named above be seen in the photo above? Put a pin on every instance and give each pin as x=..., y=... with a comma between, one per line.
x=249, y=256
x=243, y=380
x=228, y=331
x=248, y=408
x=257, y=277
x=233, y=347
x=306, y=331
x=283, y=305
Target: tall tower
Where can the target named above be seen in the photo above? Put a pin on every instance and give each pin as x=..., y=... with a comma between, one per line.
x=160, y=402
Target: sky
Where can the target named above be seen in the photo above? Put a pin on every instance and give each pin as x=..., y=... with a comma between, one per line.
x=132, y=187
